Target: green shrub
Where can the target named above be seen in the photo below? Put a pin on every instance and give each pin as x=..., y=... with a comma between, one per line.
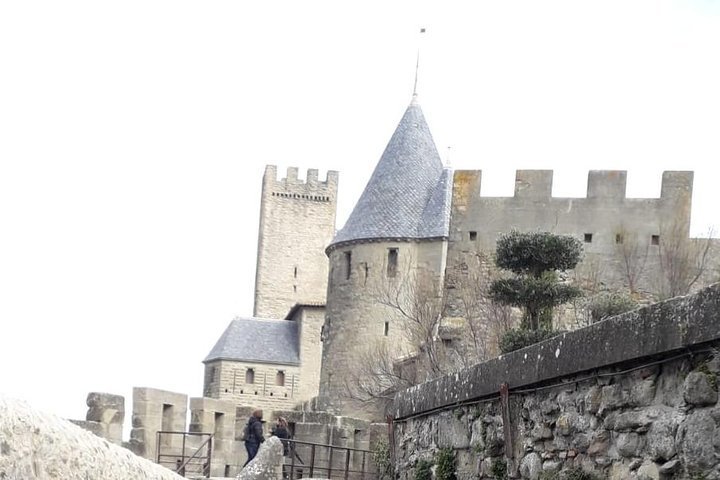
x=518, y=338
x=445, y=464
x=578, y=473
x=499, y=469
x=423, y=470
x=609, y=304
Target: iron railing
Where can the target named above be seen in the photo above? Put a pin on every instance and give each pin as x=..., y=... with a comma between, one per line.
x=311, y=460
x=189, y=455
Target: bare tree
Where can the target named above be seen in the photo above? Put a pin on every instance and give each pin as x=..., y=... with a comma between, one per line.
x=485, y=321
x=681, y=260
x=379, y=373
x=412, y=351
x=633, y=254
x=424, y=343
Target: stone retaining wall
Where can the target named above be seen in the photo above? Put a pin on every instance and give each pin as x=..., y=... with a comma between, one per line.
x=635, y=397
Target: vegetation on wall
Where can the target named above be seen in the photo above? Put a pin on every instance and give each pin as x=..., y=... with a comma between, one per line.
x=609, y=304
x=518, y=338
x=445, y=464
x=381, y=458
x=423, y=470
x=499, y=469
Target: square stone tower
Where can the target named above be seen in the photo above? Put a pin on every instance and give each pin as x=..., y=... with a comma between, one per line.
x=297, y=222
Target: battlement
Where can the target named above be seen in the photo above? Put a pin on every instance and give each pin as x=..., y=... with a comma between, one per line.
x=609, y=185
x=291, y=177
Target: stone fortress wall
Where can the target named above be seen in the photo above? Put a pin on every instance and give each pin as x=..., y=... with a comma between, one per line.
x=297, y=222
x=156, y=410
x=610, y=224
x=631, y=397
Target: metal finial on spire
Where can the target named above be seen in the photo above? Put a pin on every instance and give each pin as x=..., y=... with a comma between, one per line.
x=417, y=67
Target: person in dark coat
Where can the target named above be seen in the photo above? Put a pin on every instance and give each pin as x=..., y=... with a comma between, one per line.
x=253, y=435
x=281, y=431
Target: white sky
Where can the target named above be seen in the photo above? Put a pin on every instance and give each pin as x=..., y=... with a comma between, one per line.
x=134, y=134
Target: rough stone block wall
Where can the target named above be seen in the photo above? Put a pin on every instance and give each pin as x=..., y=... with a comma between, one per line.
x=311, y=320
x=225, y=380
x=209, y=415
x=633, y=397
x=355, y=317
x=153, y=411
x=297, y=222
x=35, y=445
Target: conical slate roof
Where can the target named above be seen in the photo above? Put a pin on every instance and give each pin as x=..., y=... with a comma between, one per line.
x=408, y=195
x=258, y=340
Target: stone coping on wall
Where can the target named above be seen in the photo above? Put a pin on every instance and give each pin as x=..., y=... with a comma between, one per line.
x=661, y=329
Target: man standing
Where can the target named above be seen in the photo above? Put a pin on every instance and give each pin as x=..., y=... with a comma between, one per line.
x=253, y=434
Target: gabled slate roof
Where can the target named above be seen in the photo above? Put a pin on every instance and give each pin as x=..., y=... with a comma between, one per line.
x=408, y=195
x=258, y=340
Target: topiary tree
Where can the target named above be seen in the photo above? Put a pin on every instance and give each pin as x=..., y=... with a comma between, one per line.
x=535, y=258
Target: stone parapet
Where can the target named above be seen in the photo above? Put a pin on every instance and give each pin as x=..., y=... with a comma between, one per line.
x=662, y=329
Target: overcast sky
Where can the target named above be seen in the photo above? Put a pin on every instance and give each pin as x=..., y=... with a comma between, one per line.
x=134, y=134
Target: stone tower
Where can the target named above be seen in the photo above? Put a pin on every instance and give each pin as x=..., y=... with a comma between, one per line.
x=297, y=222
x=396, y=233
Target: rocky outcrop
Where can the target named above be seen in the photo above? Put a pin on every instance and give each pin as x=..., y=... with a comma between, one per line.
x=267, y=464
x=35, y=445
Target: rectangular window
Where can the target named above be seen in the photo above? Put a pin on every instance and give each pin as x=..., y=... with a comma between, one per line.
x=392, y=262
x=619, y=238
x=348, y=265
x=655, y=240
x=588, y=238
x=387, y=328
x=473, y=236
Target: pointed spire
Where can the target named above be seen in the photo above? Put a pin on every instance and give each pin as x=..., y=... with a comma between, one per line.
x=404, y=191
x=417, y=68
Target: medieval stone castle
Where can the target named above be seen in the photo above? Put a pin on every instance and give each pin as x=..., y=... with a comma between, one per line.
x=327, y=303
x=316, y=309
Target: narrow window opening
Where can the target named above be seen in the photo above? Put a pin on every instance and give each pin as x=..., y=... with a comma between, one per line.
x=295, y=273
x=588, y=238
x=392, y=262
x=619, y=238
x=348, y=265
x=655, y=240
x=250, y=376
x=473, y=236
x=167, y=422
x=447, y=342
x=386, y=329
x=280, y=378
x=219, y=423
x=294, y=288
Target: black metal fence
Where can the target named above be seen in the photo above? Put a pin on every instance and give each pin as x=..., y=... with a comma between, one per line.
x=316, y=460
x=186, y=453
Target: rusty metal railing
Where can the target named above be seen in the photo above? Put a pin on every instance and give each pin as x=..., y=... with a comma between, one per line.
x=191, y=455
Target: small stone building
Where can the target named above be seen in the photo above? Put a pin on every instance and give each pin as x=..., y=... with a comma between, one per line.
x=267, y=363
